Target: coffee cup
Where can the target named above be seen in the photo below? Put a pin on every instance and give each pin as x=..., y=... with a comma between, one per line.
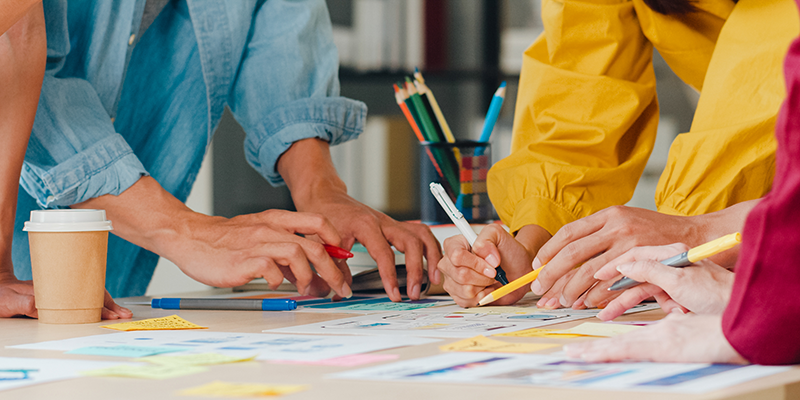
x=68, y=261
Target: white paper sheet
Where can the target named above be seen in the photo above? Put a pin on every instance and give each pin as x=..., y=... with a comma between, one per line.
x=267, y=346
x=18, y=372
x=552, y=371
x=434, y=323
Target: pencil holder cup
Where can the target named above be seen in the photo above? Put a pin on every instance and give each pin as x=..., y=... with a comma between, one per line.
x=460, y=167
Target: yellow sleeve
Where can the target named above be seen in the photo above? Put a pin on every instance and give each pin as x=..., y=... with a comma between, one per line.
x=585, y=118
x=728, y=156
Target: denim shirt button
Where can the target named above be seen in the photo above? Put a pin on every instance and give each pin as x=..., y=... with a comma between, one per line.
x=130, y=41
x=50, y=198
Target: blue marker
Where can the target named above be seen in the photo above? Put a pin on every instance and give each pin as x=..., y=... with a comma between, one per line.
x=491, y=116
x=224, y=304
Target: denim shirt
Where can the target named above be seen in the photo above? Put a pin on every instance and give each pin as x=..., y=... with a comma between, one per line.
x=272, y=62
x=115, y=107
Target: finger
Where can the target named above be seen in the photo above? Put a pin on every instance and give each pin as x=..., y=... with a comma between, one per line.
x=324, y=265
x=627, y=300
x=668, y=304
x=572, y=254
x=272, y=273
x=405, y=242
x=306, y=224
x=291, y=255
x=665, y=277
x=14, y=303
x=115, y=310
x=379, y=249
x=431, y=247
x=457, y=250
x=609, y=270
x=486, y=245
x=569, y=233
x=599, y=295
x=552, y=299
x=469, y=293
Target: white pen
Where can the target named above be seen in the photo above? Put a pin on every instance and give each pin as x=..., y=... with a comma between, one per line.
x=458, y=219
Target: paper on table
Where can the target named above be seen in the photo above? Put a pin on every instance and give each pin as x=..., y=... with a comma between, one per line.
x=40, y=370
x=482, y=343
x=145, y=371
x=196, y=359
x=226, y=389
x=537, y=332
x=596, y=329
x=346, y=361
x=173, y=322
x=124, y=351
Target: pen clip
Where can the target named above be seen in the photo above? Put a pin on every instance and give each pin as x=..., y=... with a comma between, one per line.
x=445, y=202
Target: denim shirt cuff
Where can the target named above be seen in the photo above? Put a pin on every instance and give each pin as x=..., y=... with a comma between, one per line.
x=108, y=167
x=334, y=120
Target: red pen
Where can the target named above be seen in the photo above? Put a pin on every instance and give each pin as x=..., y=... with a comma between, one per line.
x=337, y=252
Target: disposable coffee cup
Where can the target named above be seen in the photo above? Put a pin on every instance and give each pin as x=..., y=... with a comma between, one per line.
x=68, y=261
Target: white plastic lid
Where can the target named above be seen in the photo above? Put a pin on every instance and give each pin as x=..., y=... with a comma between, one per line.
x=68, y=221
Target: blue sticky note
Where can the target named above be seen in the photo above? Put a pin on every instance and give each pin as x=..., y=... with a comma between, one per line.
x=124, y=351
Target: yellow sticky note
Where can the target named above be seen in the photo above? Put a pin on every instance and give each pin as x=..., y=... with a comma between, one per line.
x=597, y=329
x=536, y=332
x=195, y=359
x=173, y=322
x=226, y=389
x=482, y=343
x=144, y=371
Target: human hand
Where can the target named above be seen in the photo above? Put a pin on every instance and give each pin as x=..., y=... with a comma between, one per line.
x=703, y=288
x=593, y=242
x=16, y=298
x=229, y=252
x=469, y=276
x=678, y=338
x=378, y=232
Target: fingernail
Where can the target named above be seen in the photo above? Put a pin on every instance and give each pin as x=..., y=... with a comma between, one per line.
x=396, y=293
x=114, y=315
x=346, y=291
x=552, y=303
x=563, y=301
x=415, y=291
x=536, y=287
x=623, y=268
x=536, y=263
x=677, y=310
x=542, y=302
x=490, y=272
x=587, y=303
x=578, y=304
x=437, y=277
x=493, y=260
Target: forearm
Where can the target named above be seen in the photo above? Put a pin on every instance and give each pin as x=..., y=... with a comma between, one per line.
x=147, y=215
x=22, y=61
x=309, y=173
x=532, y=237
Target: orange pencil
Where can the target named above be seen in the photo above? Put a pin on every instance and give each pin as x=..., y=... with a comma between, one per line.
x=400, y=96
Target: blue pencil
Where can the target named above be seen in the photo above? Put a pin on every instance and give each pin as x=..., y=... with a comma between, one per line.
x=491, y=116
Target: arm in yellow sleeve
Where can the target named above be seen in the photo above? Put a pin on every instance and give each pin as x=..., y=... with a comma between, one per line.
x=585, y=119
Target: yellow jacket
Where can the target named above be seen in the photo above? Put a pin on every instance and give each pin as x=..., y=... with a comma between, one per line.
x=586, y=114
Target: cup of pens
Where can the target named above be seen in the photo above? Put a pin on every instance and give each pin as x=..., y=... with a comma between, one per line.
x=461, y=168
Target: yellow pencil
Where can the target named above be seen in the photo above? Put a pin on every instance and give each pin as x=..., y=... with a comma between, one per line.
x=425, y=90
x=512, y=286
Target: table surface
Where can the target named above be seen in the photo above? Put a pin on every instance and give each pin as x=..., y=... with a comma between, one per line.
x=14, y=331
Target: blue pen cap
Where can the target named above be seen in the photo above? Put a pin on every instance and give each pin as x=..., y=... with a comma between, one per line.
x=278, y=305
x=167, y=303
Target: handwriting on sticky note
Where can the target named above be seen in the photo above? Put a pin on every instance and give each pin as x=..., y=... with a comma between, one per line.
x=173, y=322
x=537, y=332
x=124, y=350
x=596, y=329
x=482, y=343
x=226, y=389
x=144, y=371
x=196, y=359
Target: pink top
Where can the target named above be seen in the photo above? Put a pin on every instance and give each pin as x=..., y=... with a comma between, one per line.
x=762, y=321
